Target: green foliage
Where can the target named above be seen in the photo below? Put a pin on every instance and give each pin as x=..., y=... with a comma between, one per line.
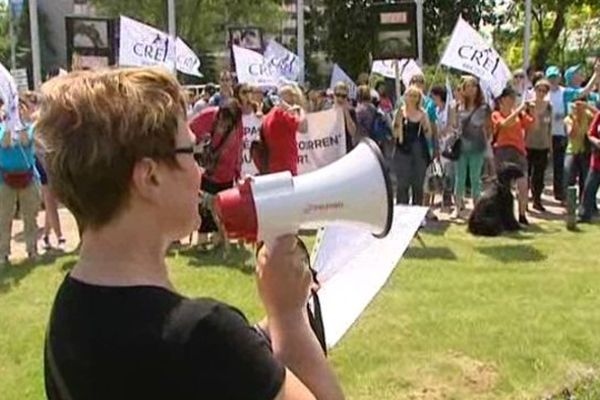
x=461, y=318
x=201, y=23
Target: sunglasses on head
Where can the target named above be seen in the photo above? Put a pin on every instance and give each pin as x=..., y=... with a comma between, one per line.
x=342, y=95
x=418, y=82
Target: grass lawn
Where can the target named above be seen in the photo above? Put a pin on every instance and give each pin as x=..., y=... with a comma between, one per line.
x=463, y=318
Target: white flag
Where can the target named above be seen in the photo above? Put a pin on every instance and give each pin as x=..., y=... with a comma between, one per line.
x=142, y=45
x=406, y=68
x=468, y=52
x=187, y=61
x=251, y=67
x=339, y=75
x=10, y=96
x=287, y=64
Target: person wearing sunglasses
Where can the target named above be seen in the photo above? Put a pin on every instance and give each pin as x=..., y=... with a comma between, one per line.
x=222, y=126
x=120, y=155
x=341, y=94
x=538, y=141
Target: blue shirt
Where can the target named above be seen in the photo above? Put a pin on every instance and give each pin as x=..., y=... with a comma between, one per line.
x=431, y=109
x=17, y=158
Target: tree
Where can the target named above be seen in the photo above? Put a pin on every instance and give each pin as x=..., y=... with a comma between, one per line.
x=553, y=21
x=201, y=23
x=351, y=28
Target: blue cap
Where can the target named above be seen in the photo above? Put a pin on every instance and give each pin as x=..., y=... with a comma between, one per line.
x=552, y=72
x=570, y=74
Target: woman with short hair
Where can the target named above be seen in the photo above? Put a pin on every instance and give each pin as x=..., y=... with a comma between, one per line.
x=121, y=158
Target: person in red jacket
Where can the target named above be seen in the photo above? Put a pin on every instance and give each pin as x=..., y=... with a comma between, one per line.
x=279, y=129
x=224, y=126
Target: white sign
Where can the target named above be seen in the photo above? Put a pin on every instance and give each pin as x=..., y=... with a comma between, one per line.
x=352, y=267
x=251, y=124
x=469, y=52
x=187, y=61
x=406, y=68
x=10, y=96
x=325, y=141
x=252, y=68
x=287, y=64
x=142, y=45
x=21, y=79
x=339, y=75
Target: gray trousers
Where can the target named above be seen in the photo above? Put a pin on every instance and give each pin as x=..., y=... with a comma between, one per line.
x=410, y=169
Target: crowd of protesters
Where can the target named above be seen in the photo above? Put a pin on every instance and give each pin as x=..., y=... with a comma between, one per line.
x=534, y=122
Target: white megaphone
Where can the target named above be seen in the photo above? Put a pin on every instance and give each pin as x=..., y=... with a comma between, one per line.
x=355, y=190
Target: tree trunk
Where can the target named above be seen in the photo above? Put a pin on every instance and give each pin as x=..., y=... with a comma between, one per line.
x=544, y=48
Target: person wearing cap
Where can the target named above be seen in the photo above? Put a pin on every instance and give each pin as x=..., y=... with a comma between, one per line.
x=509, y=124
x=574, y=80
x=538, y=141
x=559, y=131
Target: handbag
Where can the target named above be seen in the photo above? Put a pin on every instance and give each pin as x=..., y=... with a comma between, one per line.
x=18, y=180
x=452, y=148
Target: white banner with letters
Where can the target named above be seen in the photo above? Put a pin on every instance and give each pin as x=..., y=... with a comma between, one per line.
x=339, y=75
x=251, y=124
x=142, y=45
x=352, y=267
x=187, y=61
x=325, y=141
x=286, y=64
x=10, y=96
x=251, y=68
x=407, y=68
x=469, y=52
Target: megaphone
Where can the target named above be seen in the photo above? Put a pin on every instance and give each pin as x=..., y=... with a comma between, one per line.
x=354, y=190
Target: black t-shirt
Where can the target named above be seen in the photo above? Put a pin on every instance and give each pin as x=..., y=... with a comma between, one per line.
x=146, y=342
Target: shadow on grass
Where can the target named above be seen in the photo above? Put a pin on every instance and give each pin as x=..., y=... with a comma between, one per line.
x=513, y=253
x=242, y=259
x=12, y=275
x=437, y=228
x=430, y=253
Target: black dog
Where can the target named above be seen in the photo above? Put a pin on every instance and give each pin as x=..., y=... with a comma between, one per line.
x=494, y=213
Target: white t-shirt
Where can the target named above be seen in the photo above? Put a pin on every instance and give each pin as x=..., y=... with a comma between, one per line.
x=251, y=123
x=558, y=112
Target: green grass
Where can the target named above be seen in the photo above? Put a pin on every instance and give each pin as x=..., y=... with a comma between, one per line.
x=463, y=318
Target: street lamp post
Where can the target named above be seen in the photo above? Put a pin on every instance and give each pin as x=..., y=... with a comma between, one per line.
x=527, y=44
x=35, y=44
x=300, y=37
x=420, y=29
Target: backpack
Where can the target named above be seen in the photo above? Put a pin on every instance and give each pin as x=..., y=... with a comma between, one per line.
x=381, y=128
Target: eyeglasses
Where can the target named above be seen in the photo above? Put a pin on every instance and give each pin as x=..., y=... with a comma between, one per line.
x=519, y=76
x=418, y=82
x=341, y=95
x=191, y=149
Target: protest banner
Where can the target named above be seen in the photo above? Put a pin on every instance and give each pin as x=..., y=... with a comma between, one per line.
x=187, y=61
x=339, y=75
x=287, y=64
x=251, y=68
x=142, y=45
x=469, y=52
x=10, y=96
x=352, y=267
x=251, y=124
x=408, y=68
x=325, y=141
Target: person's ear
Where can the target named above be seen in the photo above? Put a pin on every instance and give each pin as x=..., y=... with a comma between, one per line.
x=146, y=178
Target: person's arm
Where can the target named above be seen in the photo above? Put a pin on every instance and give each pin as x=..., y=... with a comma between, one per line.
x=595, y=79
x=512, y=118
x=349, y=121
x=398, y=125
x=570, y=126
x=5, y=138
x=283, y=283
x=302, y=121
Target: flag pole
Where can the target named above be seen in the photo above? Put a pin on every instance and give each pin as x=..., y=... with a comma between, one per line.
x=172, y=25
x=526, y=48
x=300, y=38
